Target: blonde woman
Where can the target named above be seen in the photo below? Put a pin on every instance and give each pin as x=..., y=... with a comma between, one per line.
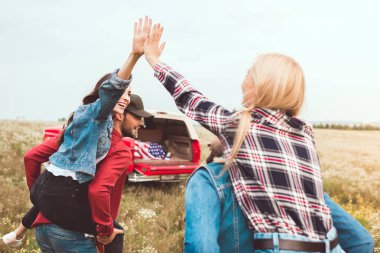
x=211, y=204
x=272, y=160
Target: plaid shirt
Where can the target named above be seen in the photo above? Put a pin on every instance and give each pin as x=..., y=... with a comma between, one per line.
x=276, y=174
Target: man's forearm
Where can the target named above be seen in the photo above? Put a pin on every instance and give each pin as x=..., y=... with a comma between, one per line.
x=36, y=156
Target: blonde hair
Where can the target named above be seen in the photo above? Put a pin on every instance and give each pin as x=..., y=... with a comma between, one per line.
x=278, y=83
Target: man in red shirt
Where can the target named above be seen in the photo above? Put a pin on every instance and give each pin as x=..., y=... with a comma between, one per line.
x=105, y=190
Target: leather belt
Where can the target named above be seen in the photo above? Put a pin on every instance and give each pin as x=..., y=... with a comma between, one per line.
x=295, y=245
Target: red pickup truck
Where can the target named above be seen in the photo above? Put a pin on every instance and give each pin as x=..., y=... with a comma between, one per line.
x=176, y=134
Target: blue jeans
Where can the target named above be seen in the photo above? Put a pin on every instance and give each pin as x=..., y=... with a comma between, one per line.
x=275, y=236
x=52, y=238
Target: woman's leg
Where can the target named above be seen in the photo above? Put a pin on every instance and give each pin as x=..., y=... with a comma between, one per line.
x=64, y=202
x=15, y=237
x=30, y=217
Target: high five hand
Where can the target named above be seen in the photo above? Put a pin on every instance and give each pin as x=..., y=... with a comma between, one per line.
x=140, y=34
x=152, y=46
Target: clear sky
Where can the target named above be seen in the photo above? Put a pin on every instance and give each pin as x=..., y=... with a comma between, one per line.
x=53, y=52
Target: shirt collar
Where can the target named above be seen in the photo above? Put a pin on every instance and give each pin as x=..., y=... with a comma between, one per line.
x=278, y=117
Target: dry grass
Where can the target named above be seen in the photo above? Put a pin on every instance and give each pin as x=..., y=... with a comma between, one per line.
x=153, y=214
x=351, y=171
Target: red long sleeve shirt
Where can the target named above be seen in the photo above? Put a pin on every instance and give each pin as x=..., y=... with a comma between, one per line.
x=37, y=156
x=106, y=188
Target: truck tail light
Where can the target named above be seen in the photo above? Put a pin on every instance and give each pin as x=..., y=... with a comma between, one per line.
x=196, y=151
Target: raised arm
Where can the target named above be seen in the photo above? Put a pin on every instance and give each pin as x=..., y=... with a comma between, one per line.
x=113, y=88
x=188, y=100
x=139, y=36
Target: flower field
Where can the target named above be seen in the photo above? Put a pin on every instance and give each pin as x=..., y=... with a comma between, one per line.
x=153, y=214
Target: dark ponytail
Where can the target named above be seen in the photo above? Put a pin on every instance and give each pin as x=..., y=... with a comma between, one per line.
x=88, y=99
x=94, y=94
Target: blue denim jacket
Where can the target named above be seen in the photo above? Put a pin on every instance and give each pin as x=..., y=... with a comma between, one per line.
x=88, y=136
x=215, y=222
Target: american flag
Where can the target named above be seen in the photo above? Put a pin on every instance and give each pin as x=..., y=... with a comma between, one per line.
x=148, y=150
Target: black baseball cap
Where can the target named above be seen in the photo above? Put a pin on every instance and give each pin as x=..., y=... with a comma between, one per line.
x=136, y=107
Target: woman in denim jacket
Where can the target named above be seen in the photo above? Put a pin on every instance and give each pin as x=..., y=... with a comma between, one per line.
x=60, y=191
x=215, y=222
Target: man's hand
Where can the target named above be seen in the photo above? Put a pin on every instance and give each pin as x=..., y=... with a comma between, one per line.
x=152, y=47
x=108, y=239
x=140, y=34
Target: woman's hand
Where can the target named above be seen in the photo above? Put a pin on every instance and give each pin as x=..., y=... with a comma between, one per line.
x=152, y=47
x=140, y=34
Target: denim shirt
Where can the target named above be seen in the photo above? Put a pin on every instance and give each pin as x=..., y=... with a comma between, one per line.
x=88, y=136
x=215, y=222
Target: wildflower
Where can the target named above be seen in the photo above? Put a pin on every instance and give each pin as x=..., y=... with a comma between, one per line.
x=147, y=213
x=148, y=249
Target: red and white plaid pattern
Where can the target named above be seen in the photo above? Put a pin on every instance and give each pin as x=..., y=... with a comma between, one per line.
x=276, y=174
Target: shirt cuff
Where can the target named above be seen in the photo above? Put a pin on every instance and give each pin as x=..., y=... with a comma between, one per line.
x=118, y=82
x=104, y=230
x=160, y=68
